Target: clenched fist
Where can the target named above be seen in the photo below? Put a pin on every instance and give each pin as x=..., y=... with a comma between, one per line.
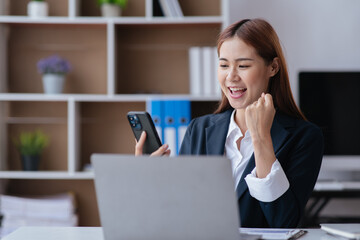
x=259, y=117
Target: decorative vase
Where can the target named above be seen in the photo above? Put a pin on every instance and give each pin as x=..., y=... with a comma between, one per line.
x=110, y=10
x=37, y=9
x=53, y=83
x=30, y=163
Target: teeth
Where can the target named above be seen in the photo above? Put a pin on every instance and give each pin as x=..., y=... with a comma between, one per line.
x=233, y=89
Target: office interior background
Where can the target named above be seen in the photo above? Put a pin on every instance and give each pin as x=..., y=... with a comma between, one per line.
x=120, y=64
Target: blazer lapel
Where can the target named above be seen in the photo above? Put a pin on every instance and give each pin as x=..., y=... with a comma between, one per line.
x=278, y=135
x=278, y=132
x=216, y=134
x=242, y=186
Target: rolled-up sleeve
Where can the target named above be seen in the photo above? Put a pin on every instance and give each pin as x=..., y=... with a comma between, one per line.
x=271, y=187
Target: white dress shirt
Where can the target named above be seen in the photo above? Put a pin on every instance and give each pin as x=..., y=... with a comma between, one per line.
x=265, y=189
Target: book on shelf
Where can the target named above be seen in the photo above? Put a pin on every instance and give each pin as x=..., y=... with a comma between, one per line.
x=171, y=8
x=165, y=8
x=347, y=230
x=203, y=63
x=195, y=70
x=50, y=210
x=157, y=10
x=217, y=88
x=208, y=76
x=174, y=4
x=171, y=118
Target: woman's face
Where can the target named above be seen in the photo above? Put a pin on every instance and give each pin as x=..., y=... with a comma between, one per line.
x=242, y=73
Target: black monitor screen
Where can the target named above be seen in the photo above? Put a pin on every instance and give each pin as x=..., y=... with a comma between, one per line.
x=331, y=100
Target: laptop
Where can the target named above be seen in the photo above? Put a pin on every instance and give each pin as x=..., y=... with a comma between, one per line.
x=185, y=197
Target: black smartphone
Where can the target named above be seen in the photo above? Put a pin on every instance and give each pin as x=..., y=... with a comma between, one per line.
x=142, y=121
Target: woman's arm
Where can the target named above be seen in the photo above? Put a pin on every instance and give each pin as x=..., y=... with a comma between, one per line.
x=301, y=164
x=259, y=117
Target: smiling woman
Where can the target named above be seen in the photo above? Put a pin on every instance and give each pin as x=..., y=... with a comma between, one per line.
x=242, y=73
x=275, y=153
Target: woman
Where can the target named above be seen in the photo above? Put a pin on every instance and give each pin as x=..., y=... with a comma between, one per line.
x=275, y=153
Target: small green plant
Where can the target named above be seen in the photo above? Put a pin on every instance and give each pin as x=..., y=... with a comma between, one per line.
x=121, y=3
x=31, y=143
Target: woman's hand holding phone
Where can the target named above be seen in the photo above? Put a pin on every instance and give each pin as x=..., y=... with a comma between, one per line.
x=163, y=150
x=146, y=136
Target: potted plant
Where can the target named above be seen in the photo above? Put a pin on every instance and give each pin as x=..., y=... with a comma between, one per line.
x=30, y=146
x=37, y=8
x=54, y=69
x=112, y=8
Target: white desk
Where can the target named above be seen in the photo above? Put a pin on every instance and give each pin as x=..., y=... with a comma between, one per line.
x=95, y=233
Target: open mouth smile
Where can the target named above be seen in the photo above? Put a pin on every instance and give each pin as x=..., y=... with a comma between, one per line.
x=237, y=92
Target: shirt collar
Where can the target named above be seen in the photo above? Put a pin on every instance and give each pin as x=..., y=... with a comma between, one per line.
x=233, y=127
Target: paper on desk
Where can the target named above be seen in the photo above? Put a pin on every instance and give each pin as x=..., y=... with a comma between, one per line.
x=271, y=233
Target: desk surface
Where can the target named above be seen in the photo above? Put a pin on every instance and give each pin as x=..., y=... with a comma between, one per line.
x=95, y=233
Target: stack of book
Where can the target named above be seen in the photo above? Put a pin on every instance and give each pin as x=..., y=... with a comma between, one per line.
x=203, y=64
x=54, y=210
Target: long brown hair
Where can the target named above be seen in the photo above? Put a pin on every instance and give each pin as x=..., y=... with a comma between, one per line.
x=260, y=35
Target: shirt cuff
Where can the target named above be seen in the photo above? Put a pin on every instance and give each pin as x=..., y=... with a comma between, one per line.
x=271, y=187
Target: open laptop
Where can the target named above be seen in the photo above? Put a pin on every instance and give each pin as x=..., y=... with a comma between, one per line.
x=187, y=197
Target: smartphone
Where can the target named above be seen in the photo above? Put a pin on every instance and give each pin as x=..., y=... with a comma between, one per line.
x=142, y=121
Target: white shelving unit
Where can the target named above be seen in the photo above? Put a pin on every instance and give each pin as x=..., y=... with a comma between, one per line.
x=73, y=101
x=81, y=118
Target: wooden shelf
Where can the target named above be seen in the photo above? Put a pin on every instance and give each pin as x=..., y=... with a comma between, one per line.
x=118, y=65
x=149, y=56
x=135, y=8
x=46, y=175
x=101, y=97
x=56, y=8
x=117, y=20
x=65, y=41
x=53, y=20
x=35, y=120
x=104, y=128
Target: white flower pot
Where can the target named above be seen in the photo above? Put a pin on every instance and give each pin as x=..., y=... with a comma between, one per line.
x=110, y=10
x=53, y=83
x=37, y=9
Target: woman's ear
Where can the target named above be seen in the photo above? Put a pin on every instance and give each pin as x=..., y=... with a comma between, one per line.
x=274, y=67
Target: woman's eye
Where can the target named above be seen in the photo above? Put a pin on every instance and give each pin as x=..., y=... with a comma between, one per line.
x=243, y=66
x=223, y=65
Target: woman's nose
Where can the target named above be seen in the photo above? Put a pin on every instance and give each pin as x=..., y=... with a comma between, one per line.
x=232, y=75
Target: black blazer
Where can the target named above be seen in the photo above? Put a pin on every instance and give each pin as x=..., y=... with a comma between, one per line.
x=298, y=146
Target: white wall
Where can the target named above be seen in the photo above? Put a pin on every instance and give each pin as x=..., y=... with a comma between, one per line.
x=315, y=34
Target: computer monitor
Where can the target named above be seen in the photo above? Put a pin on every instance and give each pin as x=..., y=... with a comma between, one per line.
x=331, y=100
